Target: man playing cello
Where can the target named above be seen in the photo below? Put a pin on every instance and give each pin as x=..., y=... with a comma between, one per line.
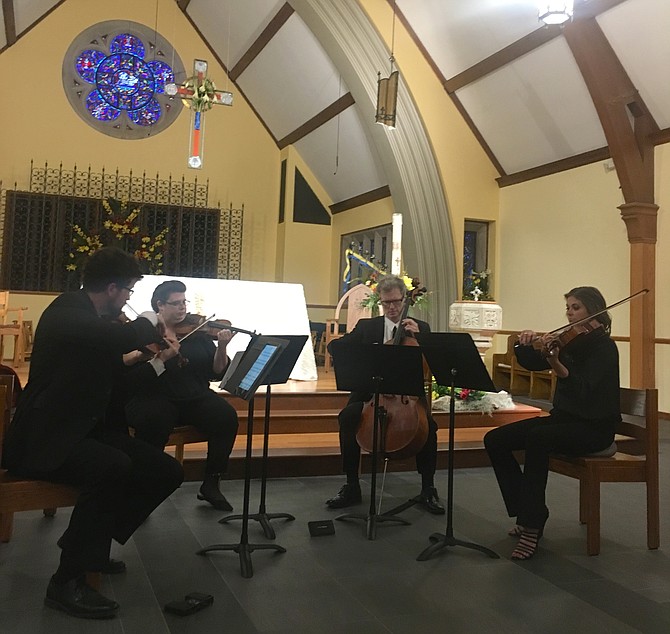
x=391, y=291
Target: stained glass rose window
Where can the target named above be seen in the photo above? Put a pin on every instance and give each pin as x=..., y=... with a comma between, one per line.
x=114, y=74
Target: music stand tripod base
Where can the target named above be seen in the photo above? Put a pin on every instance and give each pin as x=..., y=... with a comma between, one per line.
x=371, y=520
x=244, y=550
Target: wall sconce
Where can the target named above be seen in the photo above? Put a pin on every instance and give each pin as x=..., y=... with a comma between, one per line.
x=387, y=99
x=555, y=11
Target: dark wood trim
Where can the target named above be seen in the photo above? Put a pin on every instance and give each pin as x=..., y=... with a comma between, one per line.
x=328, y=113
x=262, y=41
x=592, y=156
x=10, y=21
x=503, y=57
x=183, y=4
x=362, y=199
x=661, y=137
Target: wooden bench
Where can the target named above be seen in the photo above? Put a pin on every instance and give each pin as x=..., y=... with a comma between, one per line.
x=21, y=494
x=181, y=436
x=510, y=376
x=638, y=462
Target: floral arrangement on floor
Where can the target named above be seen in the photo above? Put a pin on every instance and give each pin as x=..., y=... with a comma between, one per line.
x=469, y=400
x=476, y=286
x=373, y=299
x=120, y=229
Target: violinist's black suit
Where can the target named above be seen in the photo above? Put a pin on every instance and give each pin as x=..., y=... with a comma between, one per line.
x=63, y=430
x=369, y=331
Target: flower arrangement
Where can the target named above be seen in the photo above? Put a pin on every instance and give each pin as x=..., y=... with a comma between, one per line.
x=469, y=400
x=476, y=286
x=119, y=229
x=373, y=299
x=202, y=98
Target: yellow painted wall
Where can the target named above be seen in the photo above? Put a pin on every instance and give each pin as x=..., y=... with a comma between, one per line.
x=468, y=176
x=241, y=160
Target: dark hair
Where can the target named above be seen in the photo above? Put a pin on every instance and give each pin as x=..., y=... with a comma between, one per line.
x=594, y=302
x=389, y=283
x=109, y=265
x=163, y=291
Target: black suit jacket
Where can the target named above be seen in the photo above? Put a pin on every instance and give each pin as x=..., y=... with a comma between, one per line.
x=369, y=331
x=75, y=359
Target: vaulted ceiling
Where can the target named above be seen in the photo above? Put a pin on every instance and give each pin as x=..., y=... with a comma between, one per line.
x=515, y=82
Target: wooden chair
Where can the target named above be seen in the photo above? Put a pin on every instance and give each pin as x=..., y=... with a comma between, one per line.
x=20, y=494
x=11, y=329
x=353, y=298
x=635, y=462
x=184, y=435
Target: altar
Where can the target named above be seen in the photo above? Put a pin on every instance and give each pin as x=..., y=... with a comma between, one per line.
x=267, y=308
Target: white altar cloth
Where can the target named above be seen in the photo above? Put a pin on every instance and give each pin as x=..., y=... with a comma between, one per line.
x=268, y=308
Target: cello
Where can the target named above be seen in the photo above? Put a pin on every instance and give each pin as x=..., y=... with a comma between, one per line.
x=405, y=427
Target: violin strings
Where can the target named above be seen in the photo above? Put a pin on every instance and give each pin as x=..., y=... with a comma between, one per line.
x=204, y=323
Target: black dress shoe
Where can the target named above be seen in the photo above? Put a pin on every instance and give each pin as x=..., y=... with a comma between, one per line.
x=215, y=498
x=78, y=599
x=348, y=495
x=429, y=500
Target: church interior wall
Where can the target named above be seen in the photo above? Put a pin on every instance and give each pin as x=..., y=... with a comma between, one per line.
x=241, y=161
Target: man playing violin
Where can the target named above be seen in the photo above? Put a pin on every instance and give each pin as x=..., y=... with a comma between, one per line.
x=173, y=389
x=391, y=291
x=64, y=430
x=582, y=421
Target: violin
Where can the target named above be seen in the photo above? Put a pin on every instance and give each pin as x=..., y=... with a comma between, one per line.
x=406, y=417
x=199, y=323
x=580, y=332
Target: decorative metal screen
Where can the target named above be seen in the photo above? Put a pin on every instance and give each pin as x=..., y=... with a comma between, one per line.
x=37, y=226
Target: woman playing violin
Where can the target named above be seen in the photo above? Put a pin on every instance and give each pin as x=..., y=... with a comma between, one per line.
x=391, y=291
x=172, y=389
x=583, y=419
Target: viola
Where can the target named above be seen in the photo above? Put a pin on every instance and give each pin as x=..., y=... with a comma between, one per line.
x=199, y=323
x=572, y=337
x=406, y=417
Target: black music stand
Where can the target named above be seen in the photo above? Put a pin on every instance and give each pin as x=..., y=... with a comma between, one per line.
x=454, y=360
x=279, y=374
x=377, y=369
x=251, y=370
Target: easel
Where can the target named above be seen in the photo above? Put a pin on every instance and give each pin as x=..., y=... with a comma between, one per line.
x=377, y=369
x=279, y=375
x=251, y=370
x=454, y=361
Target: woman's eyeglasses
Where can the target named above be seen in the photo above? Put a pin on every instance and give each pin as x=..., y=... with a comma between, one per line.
x=179, y=302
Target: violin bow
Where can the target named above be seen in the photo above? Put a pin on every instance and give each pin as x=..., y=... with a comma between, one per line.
x=644, y=291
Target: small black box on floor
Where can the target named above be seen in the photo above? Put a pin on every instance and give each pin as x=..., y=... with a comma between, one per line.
x=321, y=527
x=192, y=603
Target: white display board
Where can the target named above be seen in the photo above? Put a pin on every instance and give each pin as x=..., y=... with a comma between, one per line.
x=267, y=308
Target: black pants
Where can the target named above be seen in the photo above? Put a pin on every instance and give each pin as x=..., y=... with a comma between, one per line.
x=524, y=491
x=122, y=480
x=154, y=417
x=349, y=419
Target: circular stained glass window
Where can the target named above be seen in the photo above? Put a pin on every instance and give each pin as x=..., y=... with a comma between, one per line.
x=114, y=75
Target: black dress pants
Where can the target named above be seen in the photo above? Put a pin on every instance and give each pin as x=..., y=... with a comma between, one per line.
x=154, y=416
x=524, y=491
x=349, y=419
x=123, y=480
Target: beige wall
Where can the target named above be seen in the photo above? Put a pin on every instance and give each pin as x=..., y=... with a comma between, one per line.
x=241, y=160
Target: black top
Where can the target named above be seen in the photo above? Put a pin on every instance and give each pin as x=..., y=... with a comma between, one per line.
x=75, y=358
x=591, y=390
x=180, y=381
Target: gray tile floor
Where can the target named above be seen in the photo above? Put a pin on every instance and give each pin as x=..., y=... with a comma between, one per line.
x=347, y=583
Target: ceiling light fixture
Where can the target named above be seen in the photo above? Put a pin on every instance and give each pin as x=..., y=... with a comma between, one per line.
x=387, y=89
x=555, y=11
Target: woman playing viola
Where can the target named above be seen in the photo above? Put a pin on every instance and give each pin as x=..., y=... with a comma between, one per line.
x=583, y=419
x=172, y=389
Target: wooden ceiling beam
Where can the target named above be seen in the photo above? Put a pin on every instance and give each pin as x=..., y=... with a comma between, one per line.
x=362, y=199
x=328, y=113
x=262, y=40
x=10, y=21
